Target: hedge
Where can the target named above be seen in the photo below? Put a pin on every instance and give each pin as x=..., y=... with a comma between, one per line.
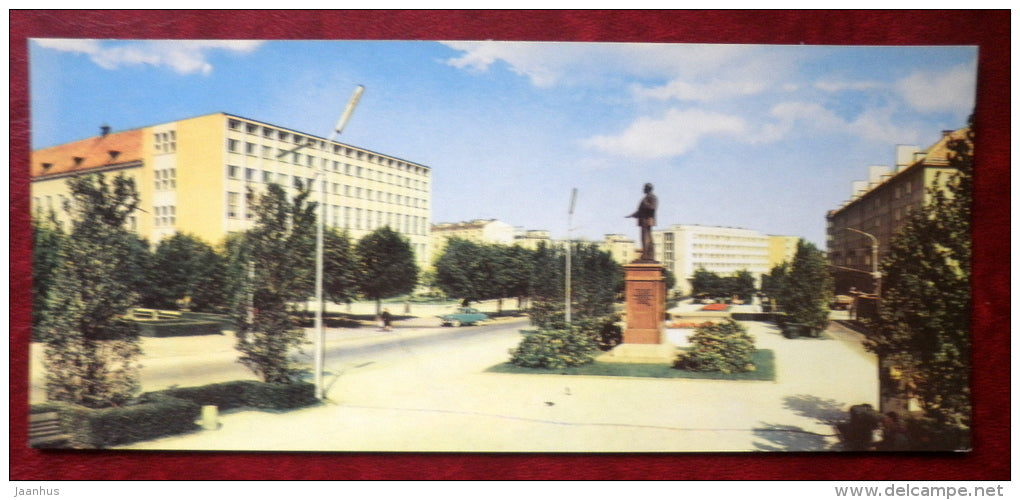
x=245, y=393
x=90, y=428
x=178, y=328
x=169, y=412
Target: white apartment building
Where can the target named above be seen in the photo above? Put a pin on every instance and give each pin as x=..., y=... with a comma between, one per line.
x=684, y=249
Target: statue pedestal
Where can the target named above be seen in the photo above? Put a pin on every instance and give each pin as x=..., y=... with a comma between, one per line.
x=644, y=337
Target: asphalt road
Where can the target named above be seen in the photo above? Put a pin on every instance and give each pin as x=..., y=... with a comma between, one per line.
x=200, y=360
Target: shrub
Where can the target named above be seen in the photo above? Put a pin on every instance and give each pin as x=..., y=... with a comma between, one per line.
x=604, y=331
x=182, y=328
x=244, y=393
x=91, y=428
x=226, y=395
x=720, y=347
x=554, y=349
x=280, y=396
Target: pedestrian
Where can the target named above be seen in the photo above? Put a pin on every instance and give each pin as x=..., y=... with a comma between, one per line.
x=387, y=319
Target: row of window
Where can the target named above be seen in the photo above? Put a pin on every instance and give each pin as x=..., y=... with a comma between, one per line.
x=306, y=160
x=267, y=132
x=350, y=217
x=165, y=215
x=166, y=178
x=165, y=142
x=254, y=175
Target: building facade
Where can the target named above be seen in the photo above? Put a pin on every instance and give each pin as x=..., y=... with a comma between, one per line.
x=482, y=231
x=621, y=248
x=195, y=175
x=859, y=232
x=725, y=251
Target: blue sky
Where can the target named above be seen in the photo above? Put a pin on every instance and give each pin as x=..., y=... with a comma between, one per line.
x=761, y=137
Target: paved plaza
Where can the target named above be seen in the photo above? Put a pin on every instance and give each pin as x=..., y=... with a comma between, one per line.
x=440, y=398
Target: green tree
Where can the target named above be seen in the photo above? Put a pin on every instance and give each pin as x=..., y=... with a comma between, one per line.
x=339, y=272
x=807, y=292
x=596, y=280
x=705, y=283
x=465, y=270
x=386, y=265
x=47, y=237
x=272, y=268
x=185, y=266
x=91, y=352
x=923, y=327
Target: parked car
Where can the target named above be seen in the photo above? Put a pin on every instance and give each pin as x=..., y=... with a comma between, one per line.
x=463, y=316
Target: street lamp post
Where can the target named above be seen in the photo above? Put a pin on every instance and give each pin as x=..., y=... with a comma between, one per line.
x=320, y=173
x=875, y=273
x=570, y=222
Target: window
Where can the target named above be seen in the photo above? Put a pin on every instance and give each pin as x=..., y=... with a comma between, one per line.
x=251, y=128
x=249, y=175
x=249, y=148
x=267, y=177
x=232, y=145
x=267, y=132
x=233, y=171
x=233, y=205
x=267, y=152
x=234, y=124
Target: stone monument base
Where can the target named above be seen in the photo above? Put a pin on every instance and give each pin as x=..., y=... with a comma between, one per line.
x=640, y=353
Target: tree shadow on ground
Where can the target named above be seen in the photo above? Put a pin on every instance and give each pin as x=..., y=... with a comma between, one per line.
x=781, y=437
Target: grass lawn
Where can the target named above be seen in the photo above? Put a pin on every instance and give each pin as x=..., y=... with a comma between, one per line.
x=763, y=360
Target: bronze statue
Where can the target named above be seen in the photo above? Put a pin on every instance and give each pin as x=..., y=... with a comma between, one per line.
x=645, y=216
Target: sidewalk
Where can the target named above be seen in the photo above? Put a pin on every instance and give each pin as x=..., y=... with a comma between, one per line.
x=442, y=399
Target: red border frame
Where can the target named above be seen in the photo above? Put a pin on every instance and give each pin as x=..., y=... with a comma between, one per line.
x=990, y=30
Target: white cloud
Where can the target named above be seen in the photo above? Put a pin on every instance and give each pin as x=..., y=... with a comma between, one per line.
x=838, y=86
x=181, y=56
x=952, y=90
x=673, y=134
x=683, y=90
x=552, y=63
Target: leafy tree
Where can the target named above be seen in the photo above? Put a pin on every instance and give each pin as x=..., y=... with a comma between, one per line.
x=924, y=318
x=511, y=273
x=807, y=291
x=185, y=266
x=91, y=353
x=47, y=237
x=386, y=265
x=718, y=347
x=272, y=267
x=708, y=284
x=464, y=270
x=596, y=280
x=339, y=274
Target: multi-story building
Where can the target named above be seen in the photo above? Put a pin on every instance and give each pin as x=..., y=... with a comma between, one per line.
x=620, y=247
x=478, y=231
x=859, y=231
x=685, y=248
x=194, y=174
x=532, y=238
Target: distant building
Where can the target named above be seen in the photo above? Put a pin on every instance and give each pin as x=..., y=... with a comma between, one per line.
x=478, y=231
x=685, y=248
x=532, y=238
x=621, y=248
x=193, y=176
x=782, y=249
x=879, y=207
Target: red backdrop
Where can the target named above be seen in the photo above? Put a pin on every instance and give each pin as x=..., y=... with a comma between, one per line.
x=990, y=30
